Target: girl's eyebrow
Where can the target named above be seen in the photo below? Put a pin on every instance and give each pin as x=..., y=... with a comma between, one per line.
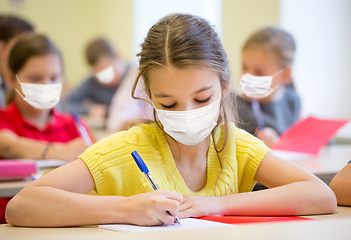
x=162, y=95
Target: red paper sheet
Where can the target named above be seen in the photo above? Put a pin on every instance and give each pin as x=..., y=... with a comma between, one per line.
x=309, y=135
x=244, y=220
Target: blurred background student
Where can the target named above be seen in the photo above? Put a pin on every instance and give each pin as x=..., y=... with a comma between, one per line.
x=11, y=27
x=109, y=70
x=126, y=111
x=269, y=108
x=31, y=127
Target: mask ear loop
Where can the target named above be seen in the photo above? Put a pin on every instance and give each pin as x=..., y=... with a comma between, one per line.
x=152, y=103
x=278, y=72
x=276, y=75
x=17, y=90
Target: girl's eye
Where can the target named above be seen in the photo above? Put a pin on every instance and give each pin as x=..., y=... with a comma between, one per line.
x=168, y=106
x=204, y=100
x=259, y=73
x=35, y=79
x=55, y=79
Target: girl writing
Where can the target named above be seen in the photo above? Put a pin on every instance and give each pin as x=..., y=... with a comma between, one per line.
x=203, y=163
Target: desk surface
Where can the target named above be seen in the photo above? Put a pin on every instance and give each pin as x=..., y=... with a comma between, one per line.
x=332, y=226
x=331, y=159
x=11, y=188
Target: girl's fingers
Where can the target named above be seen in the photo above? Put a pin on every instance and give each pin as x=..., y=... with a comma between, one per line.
x=185, y=204
x=166, y=205
x=173, y=195
x=186, y=213
x=166, y=218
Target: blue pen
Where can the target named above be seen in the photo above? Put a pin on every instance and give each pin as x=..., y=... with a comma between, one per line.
x=82, y=130
x=143, y=168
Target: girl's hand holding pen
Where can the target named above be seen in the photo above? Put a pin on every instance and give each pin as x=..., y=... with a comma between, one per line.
x=159, y=207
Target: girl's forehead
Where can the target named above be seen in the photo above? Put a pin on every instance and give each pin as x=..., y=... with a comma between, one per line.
x=171, y=77
x=44, y=60
x=44, y=64
x=258, y=57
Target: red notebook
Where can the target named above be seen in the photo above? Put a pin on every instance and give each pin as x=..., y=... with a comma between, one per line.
x=245, y=219
x=309, y=135
x=16, y=169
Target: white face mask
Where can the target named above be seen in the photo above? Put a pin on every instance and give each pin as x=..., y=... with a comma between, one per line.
x=257, y=87
x=106, y=76
x=41, y=96
x=190, y=127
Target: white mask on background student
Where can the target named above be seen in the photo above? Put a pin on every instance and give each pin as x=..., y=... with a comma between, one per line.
x=257, y=87
x=106, y=76
x=190, y=127
x=41, y=96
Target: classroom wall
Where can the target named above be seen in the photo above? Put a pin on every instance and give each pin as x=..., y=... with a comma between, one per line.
x=240, y=19
x=322, y=70
x=322, y=76
x=71, y=24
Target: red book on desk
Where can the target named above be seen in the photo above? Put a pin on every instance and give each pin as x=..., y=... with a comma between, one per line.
x=249, y=219
x=309, y=135
x=16, y=169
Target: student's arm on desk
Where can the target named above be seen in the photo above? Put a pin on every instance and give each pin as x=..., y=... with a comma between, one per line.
x=341, y=185
x=292, y=191
x=14, y=146
x=58, y=199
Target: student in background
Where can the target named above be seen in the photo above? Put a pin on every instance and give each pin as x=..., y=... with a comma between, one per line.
x=31, y=128
x=126, y=111
x=341, y=185
x=109, y=70
x=11, y=27
x=267, y=114
x=204, y=164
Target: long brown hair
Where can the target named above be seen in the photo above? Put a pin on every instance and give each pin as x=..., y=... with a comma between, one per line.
x=11, y=26
x=184, y=41
x=97, y=49
x=275, y=41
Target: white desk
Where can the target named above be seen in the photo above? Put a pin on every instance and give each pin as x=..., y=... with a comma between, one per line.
x=334, y=226
x=11, y=188
x=344, y=134
x=330, y=160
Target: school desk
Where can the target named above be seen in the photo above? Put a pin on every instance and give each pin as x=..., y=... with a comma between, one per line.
x=330, y=160
x=333, y=226
x=343, y=136
x=11, y=188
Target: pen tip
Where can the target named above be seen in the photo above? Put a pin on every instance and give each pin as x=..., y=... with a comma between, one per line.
x=177, y=221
